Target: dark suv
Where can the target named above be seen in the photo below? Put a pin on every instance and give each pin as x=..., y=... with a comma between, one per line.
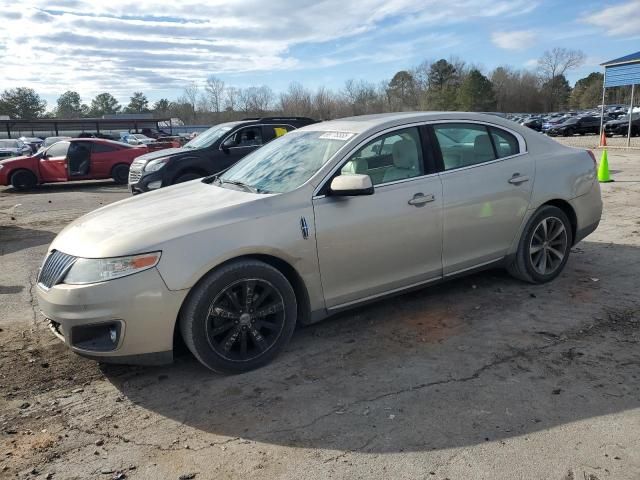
x=621, y=126
x=212, y=151
x=573, y=125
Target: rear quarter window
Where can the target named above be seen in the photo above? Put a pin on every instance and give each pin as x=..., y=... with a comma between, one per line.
x=506, y=143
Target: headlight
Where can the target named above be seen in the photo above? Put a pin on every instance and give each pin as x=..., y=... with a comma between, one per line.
x=94, y=270
x=154, y=165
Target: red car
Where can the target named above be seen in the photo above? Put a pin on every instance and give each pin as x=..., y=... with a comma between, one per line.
x=75, y=159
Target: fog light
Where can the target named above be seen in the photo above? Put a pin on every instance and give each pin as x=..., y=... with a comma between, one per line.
x=156, y=184
x=101, y=337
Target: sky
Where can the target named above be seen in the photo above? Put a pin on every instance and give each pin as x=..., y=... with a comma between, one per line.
x=160, y=46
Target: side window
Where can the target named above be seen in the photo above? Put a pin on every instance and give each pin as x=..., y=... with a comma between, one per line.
x=464, y=144
x=506, y=143
x=391, y=157
x=248, y=137
x=58, y=149
x=102, y=148
x=280, y=130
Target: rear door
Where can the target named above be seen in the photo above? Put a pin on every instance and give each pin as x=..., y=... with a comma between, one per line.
x=487, y=179
x=53, y=163
x=103, y=157
x=271, y=132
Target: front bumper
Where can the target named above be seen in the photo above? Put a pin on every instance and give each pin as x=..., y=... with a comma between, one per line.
x=141, y=184
x=621, y=129
x=140, y=305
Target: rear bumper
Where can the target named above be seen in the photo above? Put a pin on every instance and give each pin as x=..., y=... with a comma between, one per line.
x=588, y=209
x=139, y=308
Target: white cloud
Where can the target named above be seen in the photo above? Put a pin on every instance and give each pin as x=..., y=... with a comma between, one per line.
x=127, y=45
x=515, y=40
x=619, y=20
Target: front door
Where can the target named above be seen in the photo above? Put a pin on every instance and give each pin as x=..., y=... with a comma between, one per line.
x=487, y=180
x=53, y=163
x=375, y=244
x=241, y=143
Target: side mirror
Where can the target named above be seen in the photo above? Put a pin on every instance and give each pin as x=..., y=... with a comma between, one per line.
x=351, y=186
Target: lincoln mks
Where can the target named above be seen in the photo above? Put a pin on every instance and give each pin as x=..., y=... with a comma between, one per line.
x=324, y=218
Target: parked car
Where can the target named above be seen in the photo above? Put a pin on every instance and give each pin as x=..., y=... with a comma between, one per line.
x=576, y=125
x=136, y=139
x=324, y=218
x=620, y=126
x=13, y=148
x=552, y=122
x=533, y=124
x=210, y=152
x=34, y=142
x=74, y=159
x=51, y=140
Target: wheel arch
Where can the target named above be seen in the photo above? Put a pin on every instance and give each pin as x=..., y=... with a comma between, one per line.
x=188, y=169
x=569, y=212
x=284, y=267
x=15, y=170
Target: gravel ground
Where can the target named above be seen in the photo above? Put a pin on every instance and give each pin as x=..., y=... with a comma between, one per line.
x=482, y=377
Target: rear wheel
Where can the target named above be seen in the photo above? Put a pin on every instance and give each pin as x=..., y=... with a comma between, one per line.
x=239, y=317
x=120, y=173
x=185, y=177
x=544, y=248
x=23, y=180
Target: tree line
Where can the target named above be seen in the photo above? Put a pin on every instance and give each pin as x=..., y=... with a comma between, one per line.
x=444, y=84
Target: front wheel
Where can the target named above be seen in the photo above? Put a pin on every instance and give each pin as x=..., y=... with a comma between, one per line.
x=239, y=317
x=544, y=247
x=23, y=180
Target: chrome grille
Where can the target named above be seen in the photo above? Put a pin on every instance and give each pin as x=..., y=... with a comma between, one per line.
x=134, y=176
x=54, y=267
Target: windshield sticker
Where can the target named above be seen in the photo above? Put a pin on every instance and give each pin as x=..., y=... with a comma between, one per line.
x=344, y=136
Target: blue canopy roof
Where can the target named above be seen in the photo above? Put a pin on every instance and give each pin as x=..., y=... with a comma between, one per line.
x=631, y=58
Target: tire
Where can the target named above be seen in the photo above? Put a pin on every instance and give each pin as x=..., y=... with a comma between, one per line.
x=568, y=133
x=185, y=177
x=120, y=173
x=23, y=180
x=266, y=323
x=527, y=265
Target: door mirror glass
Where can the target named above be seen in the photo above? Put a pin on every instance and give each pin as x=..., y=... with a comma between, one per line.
x=351, y=185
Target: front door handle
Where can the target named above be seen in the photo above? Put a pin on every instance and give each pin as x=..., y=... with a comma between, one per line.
x=517, y=179
x=419, y=199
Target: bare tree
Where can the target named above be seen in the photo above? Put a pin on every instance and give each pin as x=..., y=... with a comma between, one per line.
x=296, y=101
x=231, y=99
x=552, y=67
x=323, y=104
x=190, y=95
x=214, y=91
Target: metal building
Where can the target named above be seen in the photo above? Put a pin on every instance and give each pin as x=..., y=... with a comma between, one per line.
x=621, y=72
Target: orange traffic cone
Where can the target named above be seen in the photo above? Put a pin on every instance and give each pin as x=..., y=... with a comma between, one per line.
x=603, y=140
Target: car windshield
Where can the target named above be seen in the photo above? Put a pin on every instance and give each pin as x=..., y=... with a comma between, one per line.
x=286, y=163
x=9, y=144
x=208, y=137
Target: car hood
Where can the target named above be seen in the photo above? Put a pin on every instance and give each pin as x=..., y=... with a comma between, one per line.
x=167, y=152
x=144, y=223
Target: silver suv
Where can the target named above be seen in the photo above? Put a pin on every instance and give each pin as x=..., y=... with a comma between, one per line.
x=324, y=218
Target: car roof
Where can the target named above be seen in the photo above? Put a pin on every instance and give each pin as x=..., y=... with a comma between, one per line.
x=381, y=121
x=99, y=140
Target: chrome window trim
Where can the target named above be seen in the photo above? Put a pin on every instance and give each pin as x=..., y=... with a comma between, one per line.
x=522, y=144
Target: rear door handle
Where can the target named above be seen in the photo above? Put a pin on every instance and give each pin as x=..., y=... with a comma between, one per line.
x=517, y=179
x=419, y=199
